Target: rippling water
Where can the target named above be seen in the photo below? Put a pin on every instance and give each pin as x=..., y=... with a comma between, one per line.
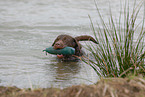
x=29, y=26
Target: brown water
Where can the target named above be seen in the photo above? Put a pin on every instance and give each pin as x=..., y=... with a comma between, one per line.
x=29, y=26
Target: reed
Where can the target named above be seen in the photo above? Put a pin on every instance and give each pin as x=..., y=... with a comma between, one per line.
x=118, y=52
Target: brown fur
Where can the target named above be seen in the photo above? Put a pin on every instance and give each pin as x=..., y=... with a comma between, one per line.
x=65, y=40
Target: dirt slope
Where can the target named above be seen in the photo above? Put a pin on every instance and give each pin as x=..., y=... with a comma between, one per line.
x=110, y=87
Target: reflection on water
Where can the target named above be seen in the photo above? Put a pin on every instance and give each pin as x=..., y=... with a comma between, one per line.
x=65, y=71
x=73, y=73
x=29, y=26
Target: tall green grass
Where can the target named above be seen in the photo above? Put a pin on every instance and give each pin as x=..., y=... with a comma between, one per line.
x=118, y=52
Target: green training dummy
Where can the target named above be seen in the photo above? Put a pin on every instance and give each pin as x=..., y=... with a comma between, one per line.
x=64, y=51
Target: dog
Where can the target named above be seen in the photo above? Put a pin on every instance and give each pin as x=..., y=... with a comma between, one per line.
x=66, y=40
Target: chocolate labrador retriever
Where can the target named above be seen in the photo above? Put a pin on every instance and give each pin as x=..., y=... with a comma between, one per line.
x=65, y=40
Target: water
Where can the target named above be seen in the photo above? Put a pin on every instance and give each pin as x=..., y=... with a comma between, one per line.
x=29, y=26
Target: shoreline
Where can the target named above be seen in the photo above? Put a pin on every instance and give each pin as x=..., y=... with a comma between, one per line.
x=114, y=87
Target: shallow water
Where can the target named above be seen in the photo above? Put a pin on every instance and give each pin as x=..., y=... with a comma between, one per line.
x=29, y=26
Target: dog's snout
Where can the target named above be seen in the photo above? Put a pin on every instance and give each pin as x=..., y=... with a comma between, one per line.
x=57, y=43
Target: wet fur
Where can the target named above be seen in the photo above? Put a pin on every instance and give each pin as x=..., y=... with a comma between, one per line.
x=66, y=40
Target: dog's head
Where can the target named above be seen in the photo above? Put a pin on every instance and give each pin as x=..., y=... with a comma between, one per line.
x=65, y=40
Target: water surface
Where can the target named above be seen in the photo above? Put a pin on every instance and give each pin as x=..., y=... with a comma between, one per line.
x=29, y=26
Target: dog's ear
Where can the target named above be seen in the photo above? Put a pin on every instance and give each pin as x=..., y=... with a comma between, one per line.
x=77, y=47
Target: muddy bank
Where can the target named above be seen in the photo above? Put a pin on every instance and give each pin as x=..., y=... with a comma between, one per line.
x=110, y=87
